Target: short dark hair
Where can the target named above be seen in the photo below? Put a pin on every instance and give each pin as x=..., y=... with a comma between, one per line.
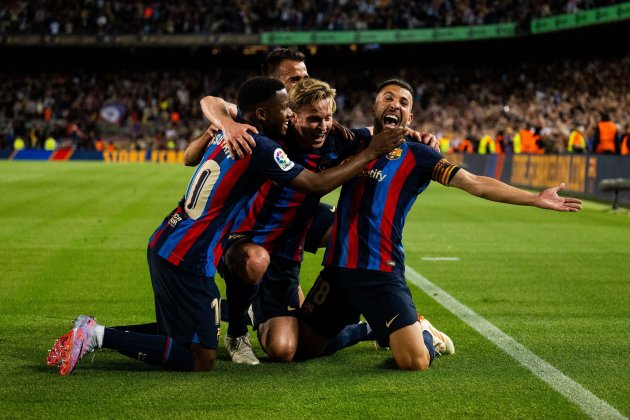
x=397, y=82
x=256, y=90
x=275, y=57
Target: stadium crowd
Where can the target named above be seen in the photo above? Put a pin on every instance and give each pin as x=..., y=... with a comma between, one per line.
x=159, y=109
x=235, y=16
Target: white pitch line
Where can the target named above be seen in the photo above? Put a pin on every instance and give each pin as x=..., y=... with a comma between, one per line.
x=571, y=390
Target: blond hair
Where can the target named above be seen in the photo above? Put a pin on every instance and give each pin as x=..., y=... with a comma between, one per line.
x=310, y=91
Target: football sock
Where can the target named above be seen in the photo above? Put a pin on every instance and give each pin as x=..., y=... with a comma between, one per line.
x=151, y=349
x=225, y=312
x=349, y=336
x=428, y=342
x=150, y=328
x=239, y=295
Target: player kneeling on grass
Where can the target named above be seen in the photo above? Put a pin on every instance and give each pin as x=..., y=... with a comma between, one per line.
x=364, y=263
x=182, y=252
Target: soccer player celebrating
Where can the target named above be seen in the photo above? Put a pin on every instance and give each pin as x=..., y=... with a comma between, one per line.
x=364, y=268
x=183, y=251
x=278, y=218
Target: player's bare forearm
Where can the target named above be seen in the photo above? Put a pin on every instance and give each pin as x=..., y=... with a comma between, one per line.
x=324, y=182
x=195, y=150
x=495, y=190
x=235, y=135
x=217, y=111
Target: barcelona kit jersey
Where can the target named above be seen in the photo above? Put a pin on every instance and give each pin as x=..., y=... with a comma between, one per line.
x=190, y=236
x=367, y=232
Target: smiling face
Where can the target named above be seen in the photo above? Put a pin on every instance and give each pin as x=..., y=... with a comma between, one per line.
x=290, y=72
x=313, y=123
x=274, y=114
x=392, y=108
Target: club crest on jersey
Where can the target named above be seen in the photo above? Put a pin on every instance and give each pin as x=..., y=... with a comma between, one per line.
x=283, y=160
x=394, y=154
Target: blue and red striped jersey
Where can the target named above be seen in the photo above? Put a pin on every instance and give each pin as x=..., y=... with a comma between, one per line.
x=190, y=235
x=367, y=232
x=278, y=217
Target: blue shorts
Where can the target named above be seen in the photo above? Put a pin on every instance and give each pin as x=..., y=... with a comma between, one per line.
x=278, y=291
x=187, y=306
x=340, y=295
x=322, y=221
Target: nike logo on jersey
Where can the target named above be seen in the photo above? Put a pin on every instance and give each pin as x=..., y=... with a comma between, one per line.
x=388, y=323
x=291, y=308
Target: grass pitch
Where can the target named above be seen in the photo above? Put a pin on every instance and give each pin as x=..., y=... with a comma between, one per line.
x=73, y=239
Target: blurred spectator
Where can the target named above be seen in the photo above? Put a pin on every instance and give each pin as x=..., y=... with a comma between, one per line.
x=605, y=139
x=463, y=104
x=236, y=16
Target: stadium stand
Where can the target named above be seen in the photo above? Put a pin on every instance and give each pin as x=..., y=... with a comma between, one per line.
x=233, y=16
x=107, y=98
x=155, y=108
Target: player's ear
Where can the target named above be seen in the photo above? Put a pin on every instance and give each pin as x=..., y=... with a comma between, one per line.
x=410, y=118
x=293, y=118
x=372, y=109
x=261, y=114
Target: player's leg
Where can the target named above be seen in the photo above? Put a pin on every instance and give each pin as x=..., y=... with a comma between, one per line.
x=351, y=334
x=276, y=309
x=242, y=267
x=409, y=348
x=325, y=313
x=385, y=301
x=187, y=313
x=278, y=337
x=246, y=259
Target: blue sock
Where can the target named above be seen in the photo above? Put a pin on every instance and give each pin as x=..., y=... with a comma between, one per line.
x=349, y=336
x=156, y=350
x=428, y=342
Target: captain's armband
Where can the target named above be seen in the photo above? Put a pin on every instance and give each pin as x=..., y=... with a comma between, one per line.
x=444, y=171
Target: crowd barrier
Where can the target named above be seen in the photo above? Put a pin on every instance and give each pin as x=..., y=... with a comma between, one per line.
x=581, y=174
x=117, y=156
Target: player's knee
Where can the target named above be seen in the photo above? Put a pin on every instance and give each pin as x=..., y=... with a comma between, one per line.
x=412, y=362
x=282, y=352
x=256, y=265
x=204, y=358
x=281, y=349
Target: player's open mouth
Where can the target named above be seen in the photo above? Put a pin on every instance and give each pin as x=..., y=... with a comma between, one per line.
x=390, y=121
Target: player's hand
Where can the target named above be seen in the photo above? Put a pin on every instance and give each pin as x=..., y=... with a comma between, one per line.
x=425, y=138
x=549, y=199
x=342, y=131
x=385, y=141
x=238, y=141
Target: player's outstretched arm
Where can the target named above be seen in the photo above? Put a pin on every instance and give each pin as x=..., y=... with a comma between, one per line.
x=324, y=182
x=196, y=148
x=492, y=189
x=222, y=114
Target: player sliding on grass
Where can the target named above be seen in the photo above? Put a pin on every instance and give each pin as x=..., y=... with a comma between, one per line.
x=183, y=251
x=364, y=262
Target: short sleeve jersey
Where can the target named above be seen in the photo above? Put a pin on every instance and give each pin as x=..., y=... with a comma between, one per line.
x=367, y=232
x=278, y=217
x=190, y=236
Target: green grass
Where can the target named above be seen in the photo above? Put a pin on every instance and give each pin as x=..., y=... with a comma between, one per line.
x=73, y=238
